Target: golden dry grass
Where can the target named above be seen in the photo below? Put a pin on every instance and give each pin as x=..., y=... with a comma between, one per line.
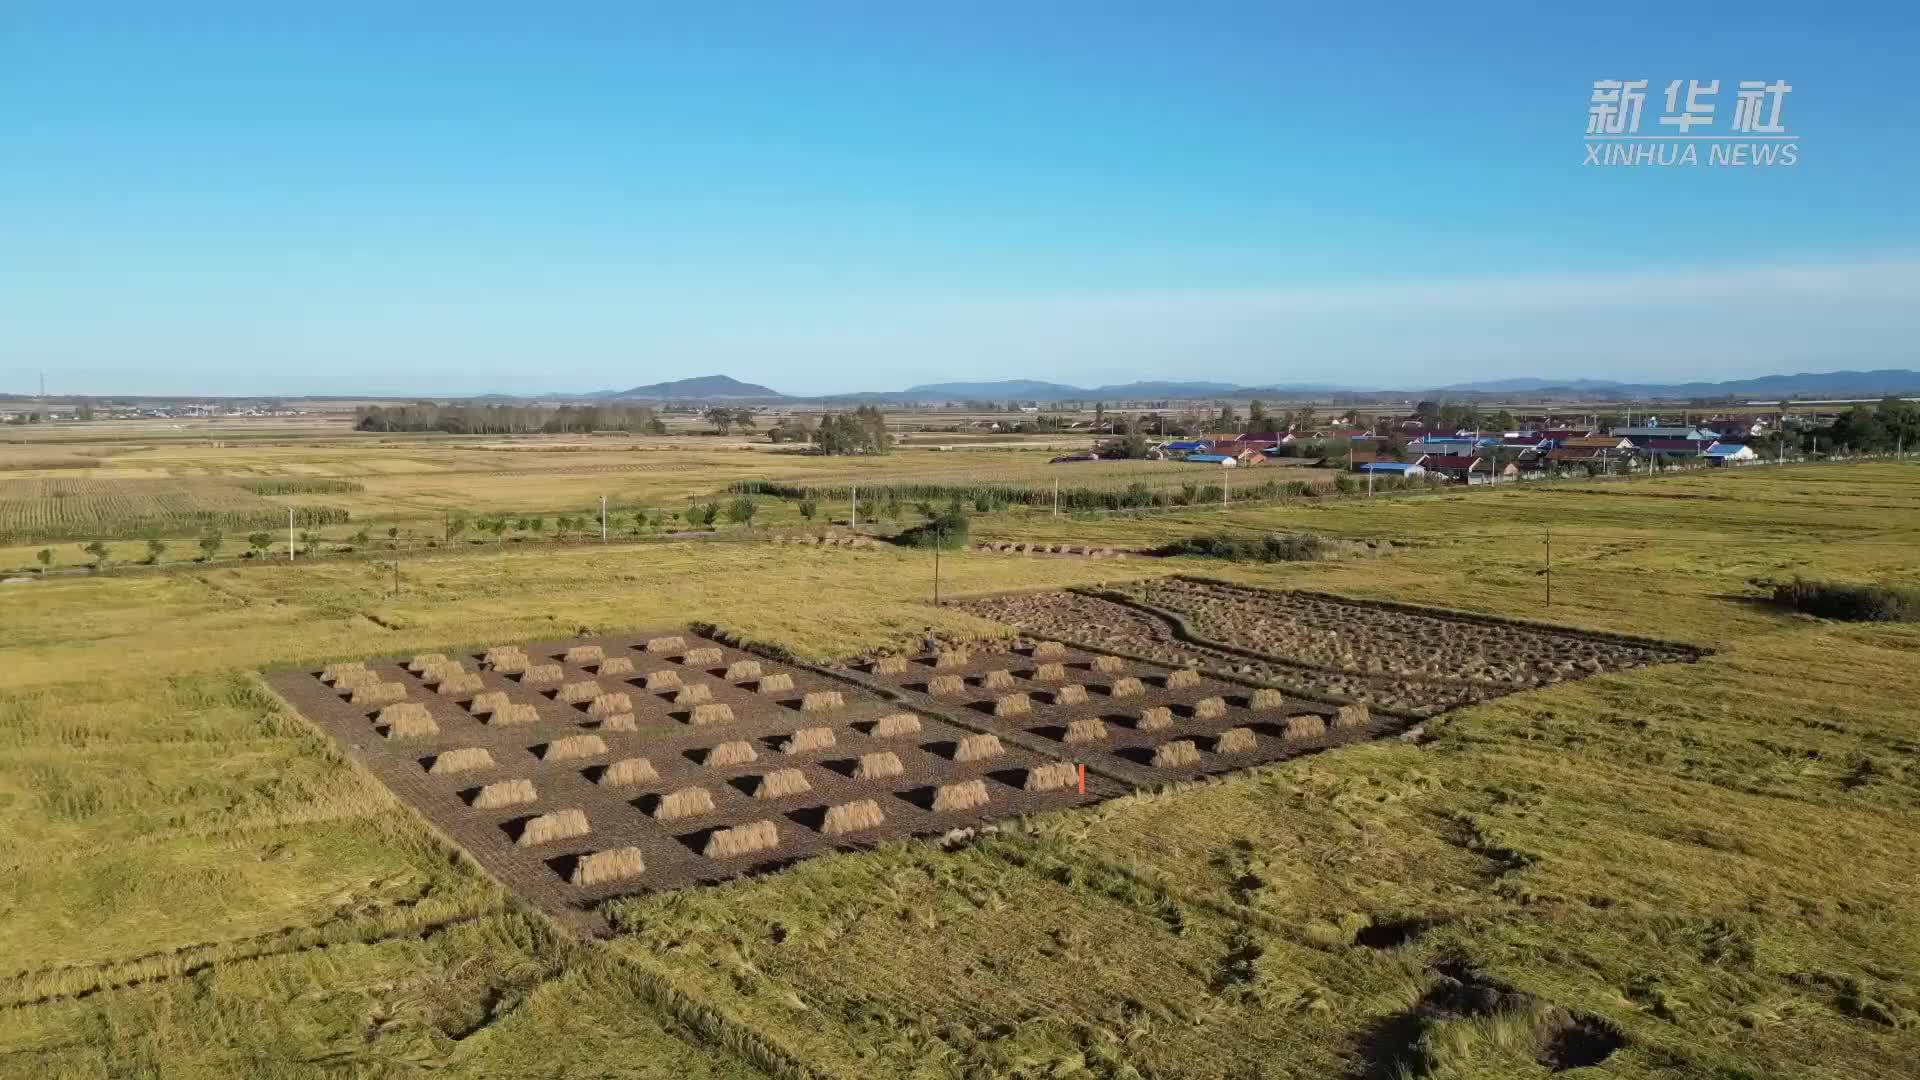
x=664, y=680
x=380, y=693
x=979, y=747
x=1000, y=679
x=1109, y=665
x=697, y=694
x=816, y=701
x=456, y=685
x=890, y=665
x=776, y=683
x=582, y=655
x=1071, y=694
x=1012, y=705
x=896, y=725
x=1083, y=732
x=1048, y=650
x=333, y=672
x=1178, y=754
x=665, y=644
x=1211, y=708
x=1052, y=776
x=716, y=713
x=952, y=659
x=1352, y=716
x=1157, y=718
x=614, y=665
x=684, y=803
x=408, y=720
x=1052, y=671
x=610, y=705
x=1182, y=679
x=576, y=693
x=705, y=656
x=1265, y=697
x=542, y=675
x=1235, y=740
x=491, y=701
x=1305, y=726
x=1127, y=686
x=743, y=671
x=946, y=685
x=618, y=722
x=730, y=753
x=558, y=825
x=422, y=662
x=515, y=713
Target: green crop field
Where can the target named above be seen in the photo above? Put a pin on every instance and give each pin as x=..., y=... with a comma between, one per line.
x=1712, y=863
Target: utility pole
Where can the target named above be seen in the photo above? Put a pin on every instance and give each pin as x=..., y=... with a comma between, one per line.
x=1056, y=496
x=853, y=491
x=289, y=534
x=1549, y=568
x=1225, y=474
x=603, y=519
x=939, y=541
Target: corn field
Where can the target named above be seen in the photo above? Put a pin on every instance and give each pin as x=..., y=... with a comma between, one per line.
x=36, y=510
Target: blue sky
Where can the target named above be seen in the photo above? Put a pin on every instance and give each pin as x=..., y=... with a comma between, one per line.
x=463, y=198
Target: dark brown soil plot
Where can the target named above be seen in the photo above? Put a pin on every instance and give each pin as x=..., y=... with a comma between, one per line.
x=566, y=770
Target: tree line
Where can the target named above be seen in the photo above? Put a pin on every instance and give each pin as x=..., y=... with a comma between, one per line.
x=509, y=419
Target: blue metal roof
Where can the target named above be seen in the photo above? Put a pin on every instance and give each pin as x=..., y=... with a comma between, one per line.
x=1189, y=445
x=1388, y=466
x=1210, y=459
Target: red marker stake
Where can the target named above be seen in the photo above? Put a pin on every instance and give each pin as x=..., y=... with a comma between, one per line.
x=1083, y=779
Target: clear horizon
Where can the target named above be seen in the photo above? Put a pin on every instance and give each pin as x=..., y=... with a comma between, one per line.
x=828, y=199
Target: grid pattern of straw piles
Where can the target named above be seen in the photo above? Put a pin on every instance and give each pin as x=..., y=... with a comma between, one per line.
x=609, y=705
x=505, y=793
x=493, y=656
x=952, y=660
x=1126, y=687
x=441, y=671
x=822, y=701
x=559, y=825
x=890, y=665
x=575, y=693
x=946, y=685
x=1051, y=671
x=464, y=683
x=1234, y=740
x=734, y=752
x=697, y=694
x=1109, y=665
x=1157, y=718
x=582, y=655
x=1013, y=705
x=1212, y=708
x=978, y=748
x=782, y=784
x=465, y=759
x=422, y=661
x=664, y=680
x=615, y=864
x=999, y=679
x=1052, y=776
x=615, y=665
x=618, y=722
x=507, y=663
x=778, y=682
x=633, y=770
x=718, y=713
x=896, y=725
x=1305, y=726
x=743, y=671
x=706, y=656
x=380, y=693
x=1083, y=732
x=1347, y=717
x=514, y=713
x=1049, y=650
x=852, y=817
x=1266, y=697
x=1183, y=679
x=332, y=673
x=542, y=675
x=408, y=720
x=574, y=747
x=966, y=795
x=742, y=840
x=354, y=680
x=684, y=803
x=806, y=740
x=489, y=702
x=880, y=765
x=1071, y=694
x=1178, y=754
x=665, y=645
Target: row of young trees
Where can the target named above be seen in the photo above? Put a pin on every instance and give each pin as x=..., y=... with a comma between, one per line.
x=509, y=419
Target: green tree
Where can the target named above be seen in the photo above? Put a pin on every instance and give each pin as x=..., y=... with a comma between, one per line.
x=99, y=552
x=210, y=544
x=741, y=511
x=362, y=538
x=743, y=418
x=45, y=555
x=1256, y=415
x=704, y=514
x=456, y=524
x=947, y=529
x=537, y=524
x=808, y=507
x=259, y=542
x=721, y=418
x=155, y=549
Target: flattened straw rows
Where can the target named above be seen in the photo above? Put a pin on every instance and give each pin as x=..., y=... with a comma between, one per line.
x=1234, y=740
x=978, y=748
x=1072, y=694
x=706, y=657
x=1082, y=732
x=619, y=722
x=573, y=747
x=951, y=659
x=1013, y=705
x=1127, y=687
x=664, y=680
x=896, y=725
x=821, y=701
x=514, y=714
x=333, y=672
x=1109, y=665
x=379, y=693
x=1052, y=776
x=1352, y=716
x=491, y=701
x=1267, y=698
x=455, y=685
x=542, y=675
x=585, y=654
x=559, y=825
x=997, y=680
x=781, y=784
x=878, y=766
x=423, y=661
x=354, y=680
x=807, y=740
x=407, y=720
x=712, y=714
x=1178, y=754
x=610, y=705
x=966, y=795
x=943, y=685
x=735, y=752
x=633, y=770
x=778, y=682
x=698, y=694
x=1053, y=671
x=505, y=793
x=1049, y=650
x=616, y=864
x=742, y=840
x=1158, y=718
x=684, y=803
x=576, y=692
x=1182, y=679
x=1305, y=726
x=743, y=670
x=615, y=665
x=890, y=665
x=1212, y=708
x=852, y=817
x=665, y=644
x=465, y=759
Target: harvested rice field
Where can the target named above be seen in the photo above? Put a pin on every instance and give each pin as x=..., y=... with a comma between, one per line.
x=1398, y=658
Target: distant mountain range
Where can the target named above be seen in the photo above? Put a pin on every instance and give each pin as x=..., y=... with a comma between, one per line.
x=1827, y=384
